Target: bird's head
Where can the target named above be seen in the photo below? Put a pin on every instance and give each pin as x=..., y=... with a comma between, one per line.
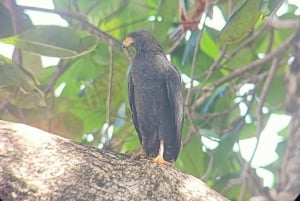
x=142, y=41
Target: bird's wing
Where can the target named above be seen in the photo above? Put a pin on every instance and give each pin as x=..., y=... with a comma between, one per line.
x=132, y=105
x=175, y=97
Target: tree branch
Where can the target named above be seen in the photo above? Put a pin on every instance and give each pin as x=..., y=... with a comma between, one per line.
x=36, y=165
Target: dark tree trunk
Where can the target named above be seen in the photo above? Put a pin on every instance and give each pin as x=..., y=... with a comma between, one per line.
x=35, y=165
x=289, y=178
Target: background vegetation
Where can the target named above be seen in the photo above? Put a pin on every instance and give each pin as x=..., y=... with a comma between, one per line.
x=233, y=78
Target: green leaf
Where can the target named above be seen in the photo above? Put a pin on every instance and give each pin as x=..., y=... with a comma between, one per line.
x=53, y=41
x=209, y=46
x=191, y=157
x=247, y=131
x=240, y=23
x=6, y=23
x=13, y=75
x=189, y=49
x=268, y=6
x=241, y=58
x=284, y=132
x=275, y=97
x=223, y=151
x=210, y=103
x=130, y=142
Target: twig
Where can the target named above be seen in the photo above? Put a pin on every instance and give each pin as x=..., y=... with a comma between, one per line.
x=281, y=24
x=127, y=24
x=195, y=57
x=61, y=68
x=216, y=64
x=121, y=7
x=209, y=166
x=257, y=63
x=91, y=7
x=110, y=83
x=3, y=106
x=192, y=129
x=52, y=107
x=261, y=102
x=245, y=43
x=84, y=23
x=259, y=129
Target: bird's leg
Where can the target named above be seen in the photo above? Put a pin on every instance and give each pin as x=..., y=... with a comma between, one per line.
x=160, y=157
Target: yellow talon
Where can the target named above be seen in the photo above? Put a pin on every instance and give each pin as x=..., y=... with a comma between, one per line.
x=160, y=157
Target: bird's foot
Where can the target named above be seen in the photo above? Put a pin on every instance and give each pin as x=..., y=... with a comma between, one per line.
x=138, y=155
x=160, y=160
x=160, y=157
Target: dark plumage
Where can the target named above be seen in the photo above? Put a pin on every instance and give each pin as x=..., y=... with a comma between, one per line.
x=155, y=97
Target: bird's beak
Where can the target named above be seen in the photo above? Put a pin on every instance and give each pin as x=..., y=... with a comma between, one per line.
x=127, y=42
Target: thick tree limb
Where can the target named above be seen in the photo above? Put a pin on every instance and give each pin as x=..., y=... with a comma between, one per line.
x=35, y=165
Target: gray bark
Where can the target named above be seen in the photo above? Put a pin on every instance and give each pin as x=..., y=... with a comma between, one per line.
x=36, y=165
x=288, y=185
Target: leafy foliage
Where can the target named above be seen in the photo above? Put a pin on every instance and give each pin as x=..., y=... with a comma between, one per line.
x=84, y=96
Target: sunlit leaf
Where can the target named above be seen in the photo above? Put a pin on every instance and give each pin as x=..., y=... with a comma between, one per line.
x=209, y=46
x=53, y=41
x=240, y=23
x=13, y=75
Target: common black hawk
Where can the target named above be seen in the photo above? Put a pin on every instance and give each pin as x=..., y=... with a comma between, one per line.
x=155, y=98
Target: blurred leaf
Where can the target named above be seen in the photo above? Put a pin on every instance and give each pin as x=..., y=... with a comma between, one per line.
x=276, y=165
x=209, y=133
x=209, y=46
x=33, y=115
x=189, y=48
x=13, y=75
x=32, y=63
x=284, y=132
x=45, y=75
x=167, y=11
x=67, y=125
x=202, y=63
x=86, y=88
x=191, y=158
x=130, y=142
x=240, y=23
x=275, y=93
x=228, y=9
x=224, y=150
x=6, y=22
x=53, y=41
x=208, y=107
x=247, y=131
x=268, y=6
x=241, y=58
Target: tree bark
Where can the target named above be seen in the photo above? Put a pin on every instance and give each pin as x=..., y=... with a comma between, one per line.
x=36, y=165
x=288, y=186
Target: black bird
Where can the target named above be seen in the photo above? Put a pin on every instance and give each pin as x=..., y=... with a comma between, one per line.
x=155, y=98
